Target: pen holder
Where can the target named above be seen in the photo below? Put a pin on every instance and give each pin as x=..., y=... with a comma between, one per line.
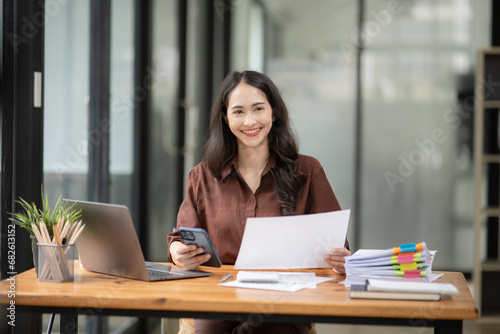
x=34, y=250
x=56, y=262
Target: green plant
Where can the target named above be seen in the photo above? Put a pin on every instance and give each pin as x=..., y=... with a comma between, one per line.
x=46, y=215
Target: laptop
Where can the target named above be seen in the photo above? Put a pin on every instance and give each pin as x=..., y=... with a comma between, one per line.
x=109, y=245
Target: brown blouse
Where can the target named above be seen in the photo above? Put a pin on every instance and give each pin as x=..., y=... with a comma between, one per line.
x=222, y=207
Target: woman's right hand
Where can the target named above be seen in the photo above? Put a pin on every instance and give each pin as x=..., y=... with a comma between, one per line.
x=188, y=256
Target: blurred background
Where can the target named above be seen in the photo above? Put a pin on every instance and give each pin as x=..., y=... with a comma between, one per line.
x=417, y=62
x=381, y=92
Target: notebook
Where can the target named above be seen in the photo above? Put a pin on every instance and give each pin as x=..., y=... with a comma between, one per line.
x=109, y=245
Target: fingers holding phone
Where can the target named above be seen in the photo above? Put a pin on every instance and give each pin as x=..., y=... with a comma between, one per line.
x=188, y=256
x=199, y=238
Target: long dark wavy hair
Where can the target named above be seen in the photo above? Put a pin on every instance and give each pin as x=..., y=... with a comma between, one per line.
x=221, y=144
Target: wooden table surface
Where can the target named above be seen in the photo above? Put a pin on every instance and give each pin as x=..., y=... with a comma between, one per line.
x=91, y=290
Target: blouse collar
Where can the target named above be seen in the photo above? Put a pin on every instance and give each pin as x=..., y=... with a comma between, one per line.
x=232, y=166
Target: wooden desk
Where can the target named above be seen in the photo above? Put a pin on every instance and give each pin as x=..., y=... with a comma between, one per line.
x=95, y=294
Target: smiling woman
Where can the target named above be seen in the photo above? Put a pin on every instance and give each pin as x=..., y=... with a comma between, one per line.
x=252, y=168
x=246, y=89
x=250, y=118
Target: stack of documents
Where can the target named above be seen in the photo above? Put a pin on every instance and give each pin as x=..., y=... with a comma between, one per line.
x=408, y=261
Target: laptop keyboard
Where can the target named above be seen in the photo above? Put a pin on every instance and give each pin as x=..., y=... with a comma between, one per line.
x=158, y=274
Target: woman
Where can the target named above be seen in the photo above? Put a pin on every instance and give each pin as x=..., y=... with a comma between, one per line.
x=251, y=169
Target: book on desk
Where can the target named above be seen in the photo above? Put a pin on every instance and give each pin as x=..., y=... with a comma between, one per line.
x=394, y=295
x=383, y=289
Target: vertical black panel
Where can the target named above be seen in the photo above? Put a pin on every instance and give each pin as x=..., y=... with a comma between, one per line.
x=495, y=23
x=492, y=67
x=221, y=25
x=490, y=295
x=181, y=97
x=492, y=75
x=7, y=102
x=99, y=118
x=358, y=133
x=22, y=135
x=226, y=35
x=142, y=70
x=491, y=135
x=210, y=12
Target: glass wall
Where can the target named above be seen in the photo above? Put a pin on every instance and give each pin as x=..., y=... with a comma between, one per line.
x=164, y=150
x=317, y=83
x=66, y=102
x=303, y=58
x=123, y=96
x=417, y=69
x=66, y=92
x=417, y=97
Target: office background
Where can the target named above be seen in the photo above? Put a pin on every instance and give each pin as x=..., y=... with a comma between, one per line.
x=379, y=91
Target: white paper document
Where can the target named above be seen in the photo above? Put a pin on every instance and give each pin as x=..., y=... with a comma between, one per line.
x=416, y=287
x=293, y=241
x=288, y=282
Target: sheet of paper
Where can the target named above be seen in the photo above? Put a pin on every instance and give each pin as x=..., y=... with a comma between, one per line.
x=291, y=242
x=288, y=282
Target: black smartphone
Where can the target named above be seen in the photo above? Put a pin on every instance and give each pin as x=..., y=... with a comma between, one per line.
x=199, y=237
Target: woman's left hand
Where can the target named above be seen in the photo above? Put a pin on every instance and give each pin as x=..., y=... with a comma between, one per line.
x=336, y=259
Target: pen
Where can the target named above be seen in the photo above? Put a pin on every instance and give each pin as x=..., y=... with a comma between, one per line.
x=225, y=277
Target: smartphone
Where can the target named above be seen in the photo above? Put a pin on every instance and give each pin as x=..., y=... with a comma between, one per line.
x=200, y=238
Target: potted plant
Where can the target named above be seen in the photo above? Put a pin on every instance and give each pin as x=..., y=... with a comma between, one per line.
x=46, y=215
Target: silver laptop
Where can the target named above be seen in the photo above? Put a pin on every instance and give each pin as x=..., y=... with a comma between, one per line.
x=109, y=245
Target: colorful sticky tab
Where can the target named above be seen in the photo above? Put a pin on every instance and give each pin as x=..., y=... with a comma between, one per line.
x=414, y=273
x=408, y=247
x=408, y=266
x=412, y=247
x=405, y=259
x=407, y=253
